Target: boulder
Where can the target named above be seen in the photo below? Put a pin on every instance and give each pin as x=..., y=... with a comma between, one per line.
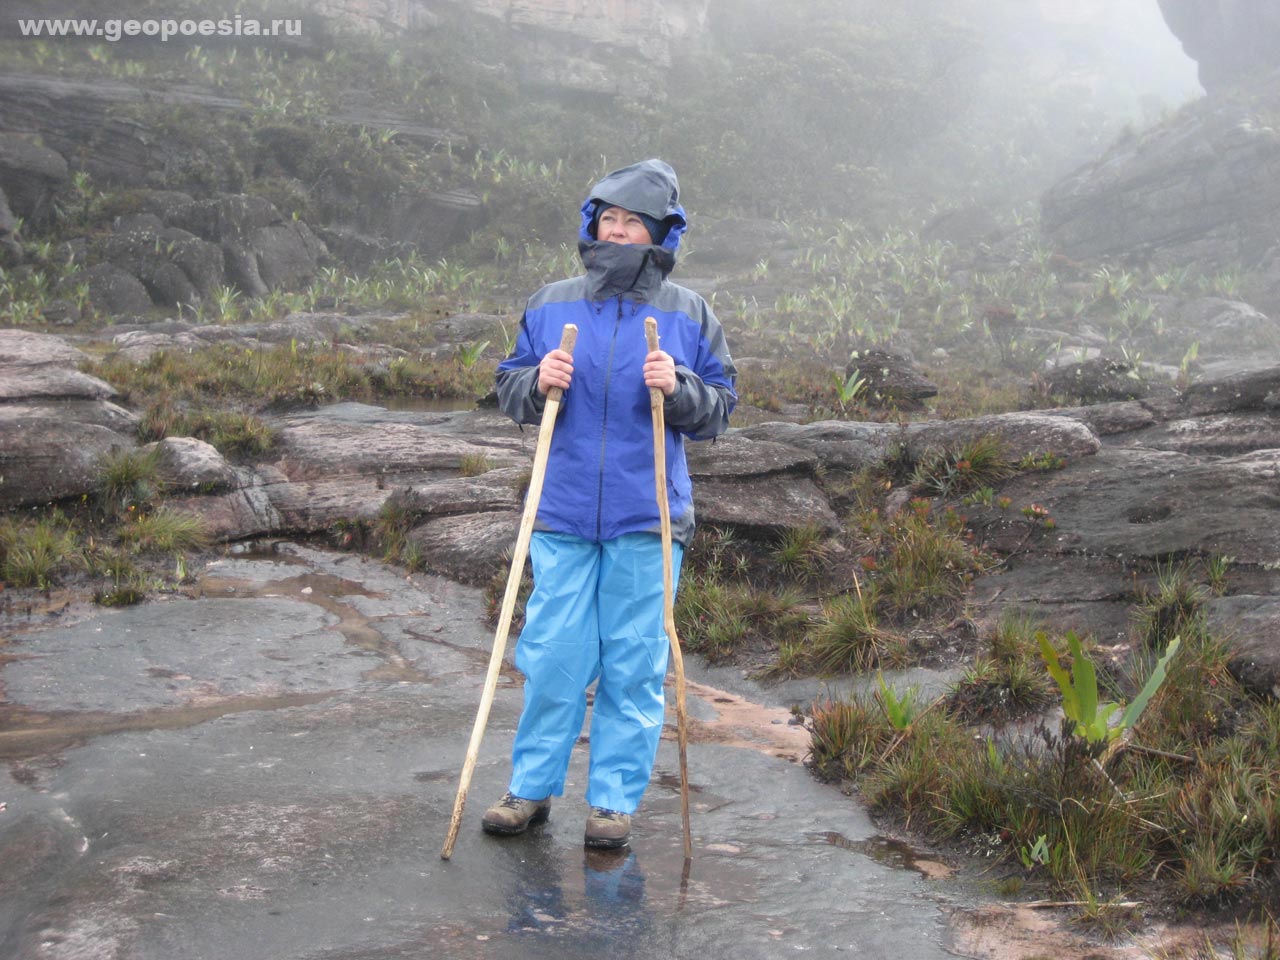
x=1098, y=380
x=892, y=379
x=468, y=547
x=261, y=248
x=43, y=460
x=102, y=413
x=30, y=176
x=1023, y=434
x=40, y=366
x=1250, y=625
x=176, y=267
x=191, y=465
x=839, y=444
x=314, y=447
x=115, y=291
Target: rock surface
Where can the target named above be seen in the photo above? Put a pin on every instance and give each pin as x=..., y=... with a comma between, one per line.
x=1229, y=39
x=1142, y=484
x=1202, y=188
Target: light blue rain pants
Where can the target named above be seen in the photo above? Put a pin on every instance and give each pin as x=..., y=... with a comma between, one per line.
x=595, y=613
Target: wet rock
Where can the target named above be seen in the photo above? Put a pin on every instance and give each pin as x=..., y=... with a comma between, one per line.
x=1098, y=380
x=764, y=506
x=493, y=491
x=836, y=443
x=467, y=328
x=892, y=379
x=189, y=464
x=176, y=267
x=313, y=447
x=103, y=413
x=44, y=460
x=239, y=514
x=30, y=176
x=1148, y=505
x=138, y=345
x=758, y=486
x=1215, y=436
x=262, y=249
x=34, y=365
x=1109, y=419
x=1022, y=434
x=1251, y=627
x=115, y=291
x=1226, y=328
x=25, y=348
x=469, y=547
x=1198, y=189
x=1255, y=390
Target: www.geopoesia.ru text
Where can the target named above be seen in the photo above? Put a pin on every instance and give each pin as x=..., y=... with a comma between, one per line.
x=162, y=28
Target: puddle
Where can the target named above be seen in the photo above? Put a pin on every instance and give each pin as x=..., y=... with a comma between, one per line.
x=741, y=723
x=324, y=590
x=28, y=733
x=890, y=852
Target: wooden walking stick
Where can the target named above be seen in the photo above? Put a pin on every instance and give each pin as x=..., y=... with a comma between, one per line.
x=567, y=340
x=656, y=399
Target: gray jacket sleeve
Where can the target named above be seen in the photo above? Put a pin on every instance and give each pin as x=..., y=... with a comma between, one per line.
x=518, y=395
x=698, y=409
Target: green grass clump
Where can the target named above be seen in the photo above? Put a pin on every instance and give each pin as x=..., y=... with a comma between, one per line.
x=35, y=553
x=962, y=467
x=163, y=531
x=925, y=560
x=127, y=477
x=849, y=638
x=1186, y=797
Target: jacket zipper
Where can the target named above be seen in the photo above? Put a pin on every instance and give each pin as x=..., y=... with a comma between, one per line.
x=604, y=422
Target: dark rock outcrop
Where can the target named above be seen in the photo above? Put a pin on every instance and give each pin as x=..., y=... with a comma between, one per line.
x=1203, y=188
x=1229, y=39
x=30, y=176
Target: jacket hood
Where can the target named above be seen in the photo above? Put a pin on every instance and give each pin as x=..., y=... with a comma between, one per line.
x=649, y=187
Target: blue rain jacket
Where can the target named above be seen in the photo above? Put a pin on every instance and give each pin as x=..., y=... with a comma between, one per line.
x=600, y=477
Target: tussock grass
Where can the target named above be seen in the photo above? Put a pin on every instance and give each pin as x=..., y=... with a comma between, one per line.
x=35, y=552
x=127, y=477
x=163, y=531
x=1190, y=801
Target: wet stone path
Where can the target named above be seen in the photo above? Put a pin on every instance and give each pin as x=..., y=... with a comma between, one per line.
x=265, y=772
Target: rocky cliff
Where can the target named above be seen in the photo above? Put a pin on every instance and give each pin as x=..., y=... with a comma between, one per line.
x=1229, y=39
x=1203, y=189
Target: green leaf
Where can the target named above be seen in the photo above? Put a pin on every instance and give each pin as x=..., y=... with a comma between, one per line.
x=1157, y=678
x=1069, y=702
x=1085, y=682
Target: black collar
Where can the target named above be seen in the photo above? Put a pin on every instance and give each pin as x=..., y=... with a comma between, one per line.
x=615, y=269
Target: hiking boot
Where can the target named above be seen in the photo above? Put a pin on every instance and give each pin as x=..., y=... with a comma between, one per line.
x=607, y=829
x=512, y=815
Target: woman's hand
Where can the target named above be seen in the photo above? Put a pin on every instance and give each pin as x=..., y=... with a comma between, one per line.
x=555, y=370
x=660, y=372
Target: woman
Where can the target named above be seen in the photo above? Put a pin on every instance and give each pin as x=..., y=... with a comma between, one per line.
x=597, y=603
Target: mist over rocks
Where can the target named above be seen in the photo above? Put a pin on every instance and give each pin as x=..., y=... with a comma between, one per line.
x=1202, y=188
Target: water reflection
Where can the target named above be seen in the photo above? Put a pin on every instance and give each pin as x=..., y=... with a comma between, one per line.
x=555, y=910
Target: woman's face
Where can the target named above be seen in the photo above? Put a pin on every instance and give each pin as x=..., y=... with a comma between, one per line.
x=616, y=225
